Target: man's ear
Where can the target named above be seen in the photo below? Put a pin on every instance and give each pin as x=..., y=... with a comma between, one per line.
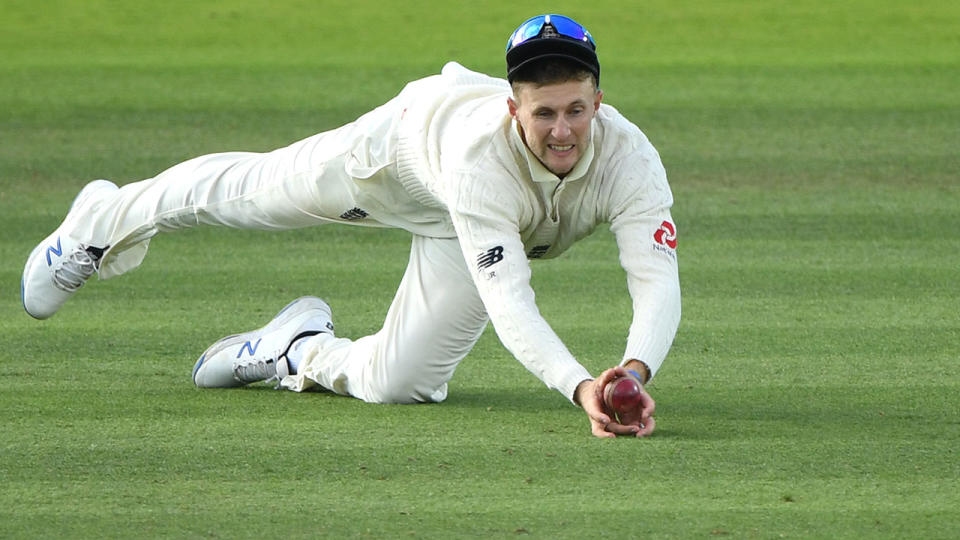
x=512, y=106
x=597, y=99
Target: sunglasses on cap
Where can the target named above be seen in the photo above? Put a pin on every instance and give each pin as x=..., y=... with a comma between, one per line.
x=550, y=26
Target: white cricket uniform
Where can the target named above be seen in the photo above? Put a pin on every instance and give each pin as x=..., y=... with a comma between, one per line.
x=445, y=161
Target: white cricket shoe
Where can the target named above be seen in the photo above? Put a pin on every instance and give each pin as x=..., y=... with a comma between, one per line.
x=61, y=264
x=261, y=355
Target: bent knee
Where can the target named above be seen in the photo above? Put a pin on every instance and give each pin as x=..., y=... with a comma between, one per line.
x=406, y=392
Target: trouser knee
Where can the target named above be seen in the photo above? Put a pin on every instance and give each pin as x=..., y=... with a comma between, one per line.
x=407, y=389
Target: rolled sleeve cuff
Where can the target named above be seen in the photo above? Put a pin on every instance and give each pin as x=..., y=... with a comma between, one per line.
x=568, y=382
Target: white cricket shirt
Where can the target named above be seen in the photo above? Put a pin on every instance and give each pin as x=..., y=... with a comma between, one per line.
x=448, y=161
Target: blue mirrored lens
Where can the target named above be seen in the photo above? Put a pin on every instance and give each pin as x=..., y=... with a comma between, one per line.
x=568, y=27
x=530, y=28
x=564, y=26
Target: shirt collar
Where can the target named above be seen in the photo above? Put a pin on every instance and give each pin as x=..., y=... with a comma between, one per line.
x=539, y=173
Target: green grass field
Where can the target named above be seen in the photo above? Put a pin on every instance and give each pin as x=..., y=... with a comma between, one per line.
x=812, y=392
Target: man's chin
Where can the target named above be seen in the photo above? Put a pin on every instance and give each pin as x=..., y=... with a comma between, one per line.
x=560, y=169
x=558, y=166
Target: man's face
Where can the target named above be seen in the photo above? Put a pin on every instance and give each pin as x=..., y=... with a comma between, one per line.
x=555, y=120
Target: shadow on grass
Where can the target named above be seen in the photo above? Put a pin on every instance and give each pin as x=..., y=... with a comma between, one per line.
x=731, y=415
x=811, y=413
x=520, y=400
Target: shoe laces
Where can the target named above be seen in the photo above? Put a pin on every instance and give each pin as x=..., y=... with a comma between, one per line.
x=74, y=270
x=256, y=370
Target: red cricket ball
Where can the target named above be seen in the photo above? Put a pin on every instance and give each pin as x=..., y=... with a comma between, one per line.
x=622, y=394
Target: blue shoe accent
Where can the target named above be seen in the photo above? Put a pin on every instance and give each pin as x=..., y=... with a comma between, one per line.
x=58, y=251
x=251, y=349
x=196, y=367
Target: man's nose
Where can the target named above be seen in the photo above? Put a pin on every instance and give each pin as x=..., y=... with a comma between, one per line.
x=561, y=130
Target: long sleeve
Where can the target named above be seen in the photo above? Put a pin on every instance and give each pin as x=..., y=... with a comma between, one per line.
x=647, y=239
x=485, y=220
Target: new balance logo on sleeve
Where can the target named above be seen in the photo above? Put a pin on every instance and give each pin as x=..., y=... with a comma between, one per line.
x=490, y=257
x=538, y=251
x=353, y=214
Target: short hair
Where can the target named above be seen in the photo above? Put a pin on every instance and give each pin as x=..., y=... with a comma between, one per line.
x=552, y=70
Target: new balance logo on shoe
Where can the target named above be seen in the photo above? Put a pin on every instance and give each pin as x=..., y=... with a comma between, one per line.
x=251, y=349
x=58, y=251
x=490, y=257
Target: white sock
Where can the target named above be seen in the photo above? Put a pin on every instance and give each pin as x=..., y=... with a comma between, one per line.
x=295, y=354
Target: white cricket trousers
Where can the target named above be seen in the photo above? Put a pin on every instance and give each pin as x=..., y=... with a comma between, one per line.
x=434, y=320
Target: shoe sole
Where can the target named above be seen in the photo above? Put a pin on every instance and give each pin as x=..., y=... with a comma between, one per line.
x=81, y=197
x=289, y=312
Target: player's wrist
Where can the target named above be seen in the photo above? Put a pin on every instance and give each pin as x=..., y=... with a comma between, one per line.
x=576, y=392
x=638, y=369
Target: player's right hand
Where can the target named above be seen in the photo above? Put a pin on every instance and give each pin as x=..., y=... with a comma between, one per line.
x=603, y=423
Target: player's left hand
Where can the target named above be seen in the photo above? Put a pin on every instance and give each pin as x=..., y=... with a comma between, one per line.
x=603, y=422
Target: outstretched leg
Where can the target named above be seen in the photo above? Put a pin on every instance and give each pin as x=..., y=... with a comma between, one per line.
x=108, y=229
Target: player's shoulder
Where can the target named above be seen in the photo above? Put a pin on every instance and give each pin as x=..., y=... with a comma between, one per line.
x=621, y=139
x=618, y=130
x=628, y=163
x=474, y=121
x=457, y=75
x=453, y=82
